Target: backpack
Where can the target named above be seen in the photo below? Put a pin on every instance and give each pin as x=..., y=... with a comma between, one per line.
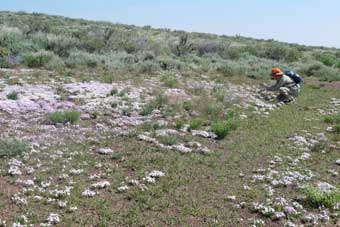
x=295, y=77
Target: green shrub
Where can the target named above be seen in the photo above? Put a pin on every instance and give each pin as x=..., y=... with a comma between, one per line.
x=80, y=58
x=221, y=128
x=293, y=55
x=321, y=71
x=11, y=147
x=319, y=198
x=61, y=45
x=233, y=53
x=114, y=91
x=337, y=128
x=338, y=64
x=183, y=46
x=332, y=119
x=227, y=71
x=326, y=58
x=11, y=39
x=214, y=110
x=55, y=63
x=147, y=109
x=67, y=116
x=3, y=52
x=4, y=63
x=195, y=123
x=233, y=120
x=168, y=140
x=219, y=93
x=169, y=80
x=146, y=67
x=38, y=59
x=203, y=48
x=179, y=123
x=13, y=95
x=128, y=45
x=157, y=103
x=109, y=78
x=279, y=52
x=188, y=106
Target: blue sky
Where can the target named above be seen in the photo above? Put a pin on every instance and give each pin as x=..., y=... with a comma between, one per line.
x=312, y=22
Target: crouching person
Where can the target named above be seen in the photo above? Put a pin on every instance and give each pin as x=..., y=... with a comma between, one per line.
x=288, y=86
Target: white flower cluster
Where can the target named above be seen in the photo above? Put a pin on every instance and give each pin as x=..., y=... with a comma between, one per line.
x=52, y=219
x=88, y=193
x=100, y=185
x=14, y=167
x=18, y=200
x=57, y=193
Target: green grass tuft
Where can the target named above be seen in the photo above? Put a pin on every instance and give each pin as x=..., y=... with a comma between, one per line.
x=67, y=116
x=179, y=123
x=195, y=123
x=221, y=128
x=13, y=95
x=331, y=119
x=319, y=198
x=12, y=147
x=169, y=80
x=157, y=103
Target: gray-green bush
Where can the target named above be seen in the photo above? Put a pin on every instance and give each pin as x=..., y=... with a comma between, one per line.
x=39, y=40
x=11, y=147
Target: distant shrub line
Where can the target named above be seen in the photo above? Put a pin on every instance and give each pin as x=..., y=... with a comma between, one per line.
x=40, y=41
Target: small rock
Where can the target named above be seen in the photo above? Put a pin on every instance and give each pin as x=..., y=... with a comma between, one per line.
x=231, y=198
x=105, y=151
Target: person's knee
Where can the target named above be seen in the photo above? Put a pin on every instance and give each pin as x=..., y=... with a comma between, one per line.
x=284, y=91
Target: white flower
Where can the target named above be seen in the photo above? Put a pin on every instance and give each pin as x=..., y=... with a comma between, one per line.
x=278, y=215
x=258, y=223
x=183, y=149
x=56, y=193
x=14, y=170
x=122, y=188
x=76, y=171
x=62, y=204
x=53, y=218
x=133, y=182
x=73, y=209
x=88, y=193
x=25, y=182
x=305, y=156
x=38, y=197
x=150, y=180
x=156, y=174
x=18, y=200
x=231, y=198
x=290, y=210
x=15, y=162
x=100, y=185
x=45, y=184
x=17, y=225
x=63, y=176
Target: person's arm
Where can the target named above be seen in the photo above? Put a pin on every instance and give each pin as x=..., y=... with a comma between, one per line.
x=279, y=83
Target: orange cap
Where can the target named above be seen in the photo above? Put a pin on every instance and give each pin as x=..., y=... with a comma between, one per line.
x=276, y=72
